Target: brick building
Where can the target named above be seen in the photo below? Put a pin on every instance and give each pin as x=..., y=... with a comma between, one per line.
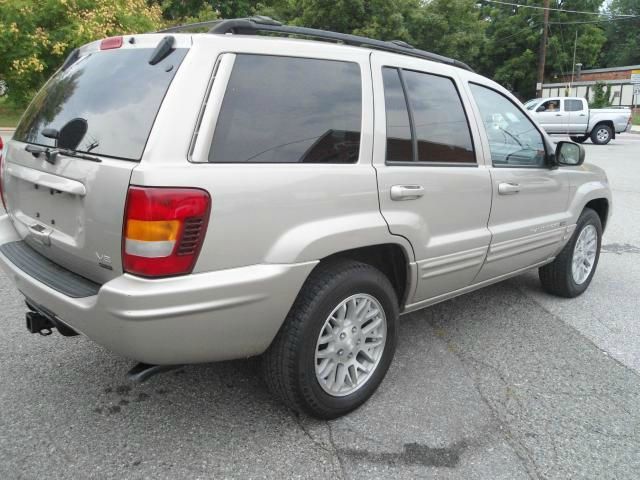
x=618, y=77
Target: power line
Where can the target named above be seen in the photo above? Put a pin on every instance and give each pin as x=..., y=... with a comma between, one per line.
x=605, y=20
x=555, y=9
x=529, y=27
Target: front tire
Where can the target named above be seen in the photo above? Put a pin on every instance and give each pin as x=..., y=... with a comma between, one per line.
x=570, y=274
x=601, y=135
x=579, y=139
x=337, y=342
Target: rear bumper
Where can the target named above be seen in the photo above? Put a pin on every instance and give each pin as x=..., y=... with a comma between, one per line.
x=204, y=317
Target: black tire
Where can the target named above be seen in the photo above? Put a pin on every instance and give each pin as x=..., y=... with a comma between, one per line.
x=557, y=277
x=580, y=139
x=601, y=134
x=289, y=363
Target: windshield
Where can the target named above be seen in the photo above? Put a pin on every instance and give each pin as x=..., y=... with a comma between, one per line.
x=114, y=94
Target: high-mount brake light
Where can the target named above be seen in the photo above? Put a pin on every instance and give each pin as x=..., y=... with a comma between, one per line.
x=111, y=43
x=164, y=230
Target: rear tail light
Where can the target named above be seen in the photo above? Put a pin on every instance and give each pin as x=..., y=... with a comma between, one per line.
x=164, y=230
x=4, y=204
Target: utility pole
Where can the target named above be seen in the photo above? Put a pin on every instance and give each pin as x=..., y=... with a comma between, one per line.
x=573, y=65
x=543, y=49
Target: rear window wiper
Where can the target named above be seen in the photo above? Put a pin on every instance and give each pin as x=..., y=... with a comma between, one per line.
x=52, y=153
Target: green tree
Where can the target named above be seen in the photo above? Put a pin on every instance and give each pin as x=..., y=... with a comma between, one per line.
x=448, y=27
x=623, y=35
x=601, y=96
x=178, y=11
x=382, y=19
x=36, y=35
x=513, y=42
x=453, y=28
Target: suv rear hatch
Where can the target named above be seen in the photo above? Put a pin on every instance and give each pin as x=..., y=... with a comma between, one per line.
x=101, y=106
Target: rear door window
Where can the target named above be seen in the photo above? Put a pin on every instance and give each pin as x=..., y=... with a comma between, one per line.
x=116, y=92
x=441, y=125
x=426, y=121
x=573, y=105
x=399, y=143
x=289, y=110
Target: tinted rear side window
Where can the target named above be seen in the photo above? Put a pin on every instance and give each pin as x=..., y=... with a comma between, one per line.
x=116, y=92
x=399, y=145
x=440, y=123
x=289, y=110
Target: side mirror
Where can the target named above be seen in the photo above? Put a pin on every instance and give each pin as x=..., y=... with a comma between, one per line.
x=569, y=154
x=541, y=108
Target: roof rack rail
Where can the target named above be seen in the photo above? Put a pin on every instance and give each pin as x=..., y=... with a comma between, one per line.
x=189, y=26
x=258, y=19
x=253, y=25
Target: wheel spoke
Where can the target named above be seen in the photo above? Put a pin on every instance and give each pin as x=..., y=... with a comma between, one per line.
x=352, y=308
x=367, y=356
x=341, y=375
x=373, y=325
x=374, y=341
x=353, y=375
x=325, y=353
x=371, y=314
x=328, y=334
x=363, y=368
x=326, y=367
x=362, y=309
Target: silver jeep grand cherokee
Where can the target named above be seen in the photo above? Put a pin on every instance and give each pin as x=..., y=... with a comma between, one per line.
x=184, y=198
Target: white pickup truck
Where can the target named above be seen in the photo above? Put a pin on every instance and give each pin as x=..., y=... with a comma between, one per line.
x=572, y=116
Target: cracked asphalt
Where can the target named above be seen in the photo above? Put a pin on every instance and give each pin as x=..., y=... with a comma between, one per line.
x=503, y=383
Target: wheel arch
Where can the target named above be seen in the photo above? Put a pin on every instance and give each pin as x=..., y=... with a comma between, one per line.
x=390, y=258
x=601, y=207
x=608, y=123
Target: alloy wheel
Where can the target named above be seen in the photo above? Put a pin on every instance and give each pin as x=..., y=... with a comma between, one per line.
x=350, y=345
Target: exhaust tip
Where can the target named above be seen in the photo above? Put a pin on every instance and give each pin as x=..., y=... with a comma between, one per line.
x=144, y=371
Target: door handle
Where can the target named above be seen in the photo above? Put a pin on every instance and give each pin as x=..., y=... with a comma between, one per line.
x=558, y=114
x=406, y=192
x=583, y=114
x=508, y=188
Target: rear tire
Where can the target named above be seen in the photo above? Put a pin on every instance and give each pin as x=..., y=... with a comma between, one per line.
x=568, y=275
x=319, y=335
x=601, y=134
x=579, y=139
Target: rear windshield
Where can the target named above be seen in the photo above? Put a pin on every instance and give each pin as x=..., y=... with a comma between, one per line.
x=116, y=92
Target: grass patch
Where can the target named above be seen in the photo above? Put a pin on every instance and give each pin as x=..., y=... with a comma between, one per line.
x=9, y=115
x=636, y=118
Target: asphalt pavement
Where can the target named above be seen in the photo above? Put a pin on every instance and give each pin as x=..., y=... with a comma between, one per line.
x=503, y=383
